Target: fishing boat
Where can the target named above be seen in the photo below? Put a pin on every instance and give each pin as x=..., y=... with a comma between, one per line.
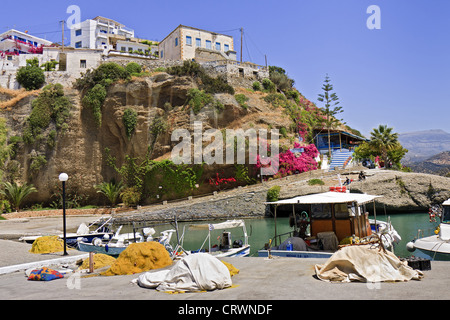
x=436, y=245
x=102, y=228
x=225, y=247
x=120, y=241
x=326, y=222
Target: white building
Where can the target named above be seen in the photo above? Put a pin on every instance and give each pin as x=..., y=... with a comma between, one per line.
x=16, y=42
x=95, y=33
x=188, y=43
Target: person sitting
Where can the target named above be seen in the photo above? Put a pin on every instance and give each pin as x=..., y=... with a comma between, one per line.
x=361, y=176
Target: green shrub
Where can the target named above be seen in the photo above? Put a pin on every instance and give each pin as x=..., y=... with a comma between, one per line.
x=314, y=182
x=242, y=100
x=30, y=77
x=129, y=121
x=276, y=99
x=133, y=67
x=158, y=125
x=256, y=86
x=50, y=106
x=197, y=99
x=94, y=99
x=283, y=132
x=131, y=196
x=207, y=83
x=106, y=74
x=268, y=85
x=273, y=194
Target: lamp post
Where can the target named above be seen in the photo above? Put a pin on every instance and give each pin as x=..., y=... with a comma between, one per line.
x=63, y=178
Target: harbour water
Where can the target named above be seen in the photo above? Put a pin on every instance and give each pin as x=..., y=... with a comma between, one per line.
x=260, y=230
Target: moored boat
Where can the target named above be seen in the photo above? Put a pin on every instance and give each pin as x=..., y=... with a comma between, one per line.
x=328, y=221
x=102, y=228
x=437, y=245
x=120, y=241
x=226, y=247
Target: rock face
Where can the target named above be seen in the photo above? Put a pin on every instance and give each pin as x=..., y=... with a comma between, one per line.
x=405, y=192
x=160, y=101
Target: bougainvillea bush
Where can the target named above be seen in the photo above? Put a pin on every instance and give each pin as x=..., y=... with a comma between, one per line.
x=290, y=163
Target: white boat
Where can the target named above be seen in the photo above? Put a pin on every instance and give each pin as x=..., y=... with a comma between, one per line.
x=437, y=245
x=331, y=217
x=83, y=232
x=120, y=241
x=226, y=247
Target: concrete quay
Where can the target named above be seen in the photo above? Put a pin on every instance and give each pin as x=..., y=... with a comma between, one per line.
x=260, y=279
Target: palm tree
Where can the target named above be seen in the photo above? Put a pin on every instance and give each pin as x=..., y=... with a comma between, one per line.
x=16, y=194
x=111, y=190
x=383, y=140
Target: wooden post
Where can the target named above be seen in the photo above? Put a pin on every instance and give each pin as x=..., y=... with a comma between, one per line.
x=91, y=262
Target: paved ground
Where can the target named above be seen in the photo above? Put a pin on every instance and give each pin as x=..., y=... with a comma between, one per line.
x=258, y=279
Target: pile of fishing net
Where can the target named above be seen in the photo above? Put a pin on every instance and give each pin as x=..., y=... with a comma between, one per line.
x=100, y=261
x=140, y=257
x=47, y=244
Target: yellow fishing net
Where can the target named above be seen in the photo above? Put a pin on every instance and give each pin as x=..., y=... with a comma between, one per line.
x=140, y=257
x=100, y=260
x=47, y=244
x=232, y=269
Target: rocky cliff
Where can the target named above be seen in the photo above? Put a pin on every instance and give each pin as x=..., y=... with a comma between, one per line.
x=160, y=101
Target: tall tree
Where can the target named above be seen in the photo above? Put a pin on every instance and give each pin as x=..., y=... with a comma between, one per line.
x=331, y=107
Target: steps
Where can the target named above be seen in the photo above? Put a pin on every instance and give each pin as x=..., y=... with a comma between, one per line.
x=340, y=159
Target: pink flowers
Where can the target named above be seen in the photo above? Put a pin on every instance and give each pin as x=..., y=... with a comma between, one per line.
x=290, y=164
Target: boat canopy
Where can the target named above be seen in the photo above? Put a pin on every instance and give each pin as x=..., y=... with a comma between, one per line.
x=328, y=197
x=218, y=226
x=446, y=203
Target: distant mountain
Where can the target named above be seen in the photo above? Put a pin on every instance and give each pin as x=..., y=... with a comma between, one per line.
x=437, y=164
x=422, y=145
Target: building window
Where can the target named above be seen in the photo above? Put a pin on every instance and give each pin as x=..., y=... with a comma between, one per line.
x=162, y=54
x=208, y=44
x=78, y=32
x=226, y=47
x=198, y=42
x=78, y=44
x=83, y=64
x=189, y=40
x=218, y=46
x=176, y=42
x=123, y=49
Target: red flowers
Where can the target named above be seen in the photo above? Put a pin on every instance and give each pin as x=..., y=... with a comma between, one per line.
x=219, y=182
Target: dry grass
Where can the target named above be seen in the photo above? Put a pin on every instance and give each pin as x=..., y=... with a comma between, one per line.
x=15, y=97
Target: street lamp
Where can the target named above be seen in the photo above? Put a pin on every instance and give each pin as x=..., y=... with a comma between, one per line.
x=63, y=178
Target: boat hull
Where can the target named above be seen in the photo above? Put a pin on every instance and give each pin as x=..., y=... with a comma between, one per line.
x=103, y=248
x=234, y=252
x=434, y=247
x=294, y=254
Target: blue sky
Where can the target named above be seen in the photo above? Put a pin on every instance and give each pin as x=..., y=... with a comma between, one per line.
x=398, y=75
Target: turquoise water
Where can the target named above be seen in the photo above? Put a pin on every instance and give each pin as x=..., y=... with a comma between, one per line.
x=260, y=230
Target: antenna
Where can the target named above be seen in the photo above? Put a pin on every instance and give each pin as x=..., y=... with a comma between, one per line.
x=62, y=23
x=242, y=33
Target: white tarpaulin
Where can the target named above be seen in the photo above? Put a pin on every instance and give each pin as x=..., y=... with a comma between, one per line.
x=195, y=272
x=229, y=224
x=365, y=263
x=328, y=197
